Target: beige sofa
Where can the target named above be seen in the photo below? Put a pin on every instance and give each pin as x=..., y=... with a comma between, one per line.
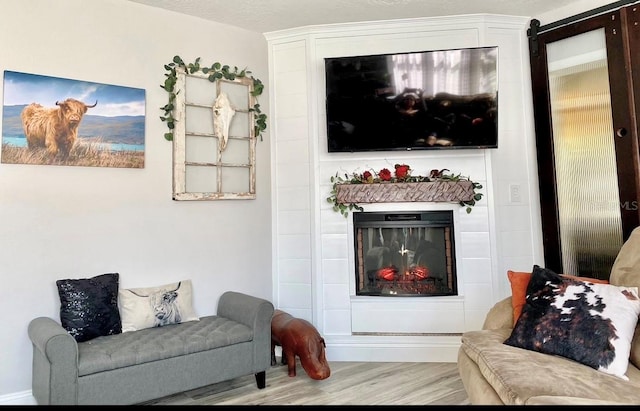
x=496, y=373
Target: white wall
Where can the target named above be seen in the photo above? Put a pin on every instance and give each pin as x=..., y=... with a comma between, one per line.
x=313, y=253
x=76, y=222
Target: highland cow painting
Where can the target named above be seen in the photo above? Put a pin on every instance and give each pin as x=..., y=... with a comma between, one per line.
x=57, y=121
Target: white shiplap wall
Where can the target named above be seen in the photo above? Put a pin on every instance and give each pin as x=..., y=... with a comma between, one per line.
x=313, y=246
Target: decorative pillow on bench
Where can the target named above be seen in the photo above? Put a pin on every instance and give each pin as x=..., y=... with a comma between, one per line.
x=590, y=323
x=156, y=306
x=89, y=306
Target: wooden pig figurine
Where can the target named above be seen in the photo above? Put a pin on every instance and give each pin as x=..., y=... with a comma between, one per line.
x=298, y=337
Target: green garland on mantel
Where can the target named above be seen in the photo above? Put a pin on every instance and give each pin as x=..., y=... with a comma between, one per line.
x=217, y=71
x=402, y=174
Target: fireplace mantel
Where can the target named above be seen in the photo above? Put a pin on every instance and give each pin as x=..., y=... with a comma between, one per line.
x=431, y=191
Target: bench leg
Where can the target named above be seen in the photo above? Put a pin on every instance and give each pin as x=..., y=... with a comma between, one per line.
x=261, y=379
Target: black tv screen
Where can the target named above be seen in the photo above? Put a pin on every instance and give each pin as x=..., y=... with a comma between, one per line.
x=443, y=99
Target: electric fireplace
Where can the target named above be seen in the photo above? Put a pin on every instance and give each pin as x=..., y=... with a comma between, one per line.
x=405, y=254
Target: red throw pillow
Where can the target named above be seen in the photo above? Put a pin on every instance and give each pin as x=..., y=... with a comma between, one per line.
x=520, y=280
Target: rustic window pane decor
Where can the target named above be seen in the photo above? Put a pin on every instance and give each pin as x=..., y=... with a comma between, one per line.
x=212, y=162
x=214, y=120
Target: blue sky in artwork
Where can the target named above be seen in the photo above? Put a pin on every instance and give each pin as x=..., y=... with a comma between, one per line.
x=25, y=88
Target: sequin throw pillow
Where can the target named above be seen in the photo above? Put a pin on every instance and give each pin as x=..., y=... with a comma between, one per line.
x=89, y=306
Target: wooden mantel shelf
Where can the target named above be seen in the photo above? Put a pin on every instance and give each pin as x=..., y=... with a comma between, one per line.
x=432, y=191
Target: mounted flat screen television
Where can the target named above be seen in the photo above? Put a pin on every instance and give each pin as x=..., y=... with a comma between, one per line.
x=444, y=99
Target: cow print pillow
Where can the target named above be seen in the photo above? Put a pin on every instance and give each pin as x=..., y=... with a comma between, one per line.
x=89, y=306
x=590, y=323
x=156, y=306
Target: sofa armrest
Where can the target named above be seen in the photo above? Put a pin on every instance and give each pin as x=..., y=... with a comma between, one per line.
x=499, y=316
x=55, y=363
x=256, y=314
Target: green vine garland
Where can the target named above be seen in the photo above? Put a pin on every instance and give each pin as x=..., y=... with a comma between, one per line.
x=216, y=72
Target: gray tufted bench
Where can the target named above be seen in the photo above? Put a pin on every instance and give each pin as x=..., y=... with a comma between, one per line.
x=138, y=366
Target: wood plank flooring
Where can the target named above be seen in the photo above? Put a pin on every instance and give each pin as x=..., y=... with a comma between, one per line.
x=350, y=383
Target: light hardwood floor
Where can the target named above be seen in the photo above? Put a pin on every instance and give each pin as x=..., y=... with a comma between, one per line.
x=350, y=383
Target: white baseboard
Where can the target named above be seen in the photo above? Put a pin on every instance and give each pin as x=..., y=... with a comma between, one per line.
x=393, y=349
x=18, y=398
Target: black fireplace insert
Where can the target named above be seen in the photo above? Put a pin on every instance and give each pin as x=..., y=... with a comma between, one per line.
x=405, y=254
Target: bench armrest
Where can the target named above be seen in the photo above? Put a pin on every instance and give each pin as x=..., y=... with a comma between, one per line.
x=256, y=314
x=55, y=363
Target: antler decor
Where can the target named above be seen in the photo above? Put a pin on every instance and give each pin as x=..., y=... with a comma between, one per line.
x=223, y=112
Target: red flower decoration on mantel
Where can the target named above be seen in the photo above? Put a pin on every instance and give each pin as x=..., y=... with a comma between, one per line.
x=385, y=174
x=402, y=171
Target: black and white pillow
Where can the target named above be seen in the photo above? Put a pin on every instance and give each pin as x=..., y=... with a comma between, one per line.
x=586, y=322
x=89, y=306
x=156, y=306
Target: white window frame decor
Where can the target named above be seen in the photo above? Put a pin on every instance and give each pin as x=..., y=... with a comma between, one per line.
x=214, y=126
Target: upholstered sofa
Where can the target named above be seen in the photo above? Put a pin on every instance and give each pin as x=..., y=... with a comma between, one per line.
x=138, y=366
x=494, y=373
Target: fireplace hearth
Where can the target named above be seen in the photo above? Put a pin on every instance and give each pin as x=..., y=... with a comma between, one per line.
x=406, y=254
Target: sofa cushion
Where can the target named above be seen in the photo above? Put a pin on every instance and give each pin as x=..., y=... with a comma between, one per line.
x=142, y=308
x=626, y=267
x=89, y=306
x=154, y=344
x=574, y=401
x=518, y=375
x=586, y=322
x=626, y=272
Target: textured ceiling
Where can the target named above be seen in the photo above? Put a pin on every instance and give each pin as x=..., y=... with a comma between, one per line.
x=270, y=15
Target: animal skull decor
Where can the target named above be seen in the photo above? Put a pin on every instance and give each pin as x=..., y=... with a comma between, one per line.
x=223, y=112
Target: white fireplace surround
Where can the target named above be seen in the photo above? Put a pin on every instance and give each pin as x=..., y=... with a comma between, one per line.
x=313, y=261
